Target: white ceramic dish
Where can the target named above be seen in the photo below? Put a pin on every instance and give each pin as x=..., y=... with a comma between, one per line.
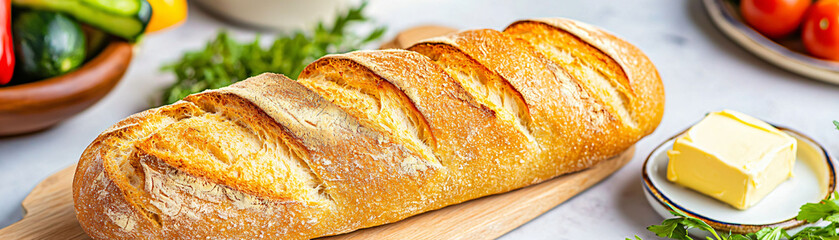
x=278, y=14
x=814, y=179
x=727, y=18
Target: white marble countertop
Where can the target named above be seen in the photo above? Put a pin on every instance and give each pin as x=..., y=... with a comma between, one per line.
x=702, y=71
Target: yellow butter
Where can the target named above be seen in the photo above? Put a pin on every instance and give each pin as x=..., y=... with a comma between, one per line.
x=732, y=157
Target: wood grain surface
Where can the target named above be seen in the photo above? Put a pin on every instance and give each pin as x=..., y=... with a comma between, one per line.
x=49, y=210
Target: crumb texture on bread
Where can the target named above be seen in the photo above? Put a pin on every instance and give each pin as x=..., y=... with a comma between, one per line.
x=370, y=137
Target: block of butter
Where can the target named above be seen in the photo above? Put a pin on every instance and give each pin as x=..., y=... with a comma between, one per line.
x=732, y=157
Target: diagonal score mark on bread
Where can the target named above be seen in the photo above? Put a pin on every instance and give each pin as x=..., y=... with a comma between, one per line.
x=337, y=147
x=603, y=77
x=370, y=137
x=376, y=103
x=238, y=145
x=253, y=162
x=483, y=85
x=546, y=100
x=611, y=57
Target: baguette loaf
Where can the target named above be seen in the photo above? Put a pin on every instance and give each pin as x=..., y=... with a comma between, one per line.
x=370, y=137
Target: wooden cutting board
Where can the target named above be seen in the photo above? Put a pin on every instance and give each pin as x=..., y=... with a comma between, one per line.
x=49, y=214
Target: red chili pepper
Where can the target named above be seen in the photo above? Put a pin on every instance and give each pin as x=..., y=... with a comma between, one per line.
x=7, y=50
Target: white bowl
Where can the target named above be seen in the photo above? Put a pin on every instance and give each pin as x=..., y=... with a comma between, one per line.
x=279, y=14
x=814, y=179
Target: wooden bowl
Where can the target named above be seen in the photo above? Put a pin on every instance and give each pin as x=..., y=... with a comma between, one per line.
x=38, y=105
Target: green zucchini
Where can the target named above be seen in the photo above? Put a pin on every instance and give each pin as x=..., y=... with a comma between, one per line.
x=47, y=44
x=122, y=18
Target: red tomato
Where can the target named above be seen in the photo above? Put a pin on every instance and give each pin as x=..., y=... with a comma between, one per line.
x=821, y=30
x=774, y=18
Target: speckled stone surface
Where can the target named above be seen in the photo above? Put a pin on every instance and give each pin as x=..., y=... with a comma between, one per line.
x=702, y=71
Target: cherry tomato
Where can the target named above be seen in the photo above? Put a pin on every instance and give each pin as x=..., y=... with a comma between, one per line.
x=821, y=30
x=774, y=18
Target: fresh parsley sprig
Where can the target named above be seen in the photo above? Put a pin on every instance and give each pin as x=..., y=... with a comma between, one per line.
x=825, y=210
x=677, y=228
x=225, y=61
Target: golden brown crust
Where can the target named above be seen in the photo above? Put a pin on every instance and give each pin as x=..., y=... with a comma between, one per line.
x=554, y=102
x=370, y=137
x=642, y=82
x=461, y=126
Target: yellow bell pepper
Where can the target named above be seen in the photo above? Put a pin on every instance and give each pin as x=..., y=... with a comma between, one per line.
x=166, y=13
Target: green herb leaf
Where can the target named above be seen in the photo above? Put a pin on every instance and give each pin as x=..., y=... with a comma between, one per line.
x=836, y=123
x=826, y=209
x=812, y=212
x=808, y=233
x=692, y=222
x=224, y=60
x=739, y=237
x=773, y=233
x=676, y=228
x=672, y=228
